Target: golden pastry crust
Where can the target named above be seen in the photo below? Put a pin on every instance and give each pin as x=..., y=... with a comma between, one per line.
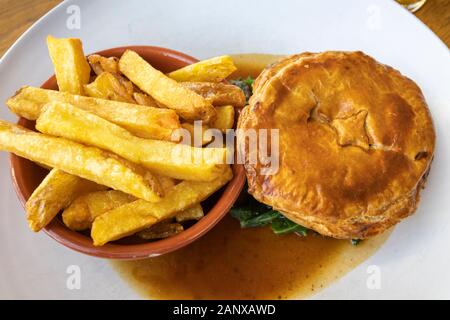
x=356, y=142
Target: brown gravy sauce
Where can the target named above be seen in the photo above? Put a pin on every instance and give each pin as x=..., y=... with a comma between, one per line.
x=231, y=263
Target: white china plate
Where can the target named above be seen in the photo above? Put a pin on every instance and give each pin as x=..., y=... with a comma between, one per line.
x=413, y=263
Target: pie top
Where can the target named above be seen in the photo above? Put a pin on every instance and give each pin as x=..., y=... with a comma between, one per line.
x=355, y=142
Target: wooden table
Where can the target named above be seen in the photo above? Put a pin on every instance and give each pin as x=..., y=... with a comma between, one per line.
x=17, y=16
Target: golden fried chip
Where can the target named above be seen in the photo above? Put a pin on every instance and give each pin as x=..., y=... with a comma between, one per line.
x=160, y=231
x=84, y=209
x=55, y=193
x=166, y=183
x=145, y=100
x=86, y=162
x=198, y=135
x=139, y=215
x=211, y=70
x=219, y=94
x=146, y=122
x=224, y=119
x=165, y=158
x=186, y=103
x=108, y=86
x=71, y=68
x=193, y=213
x=102, y=64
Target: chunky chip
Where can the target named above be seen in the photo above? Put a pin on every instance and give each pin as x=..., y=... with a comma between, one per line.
x=165, y=158
x=185, y=102
x=219, y=94
x=145, y=100
x=193, y=213
x=145, y=122
x=102, y=64
x=82, y=212
x=224, y=119
x=56, y=192
x=139, y=215
x=108, y=86
x=211, y=70
x=86, y=162
x=71, y=68
x=198, y=136
x=160, y=231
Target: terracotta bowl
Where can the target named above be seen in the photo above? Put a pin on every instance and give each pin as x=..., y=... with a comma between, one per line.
x=27, y=176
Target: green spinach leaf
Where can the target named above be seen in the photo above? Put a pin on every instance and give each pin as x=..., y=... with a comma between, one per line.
x=246, y=85
x=283, y=225
x=260, y=220
x=252, y=213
